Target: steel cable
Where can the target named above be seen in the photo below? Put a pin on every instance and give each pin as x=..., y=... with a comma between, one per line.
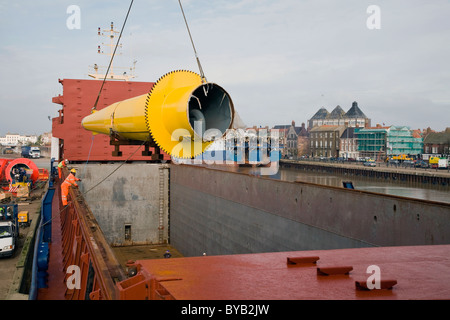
x=112, y=57
x=202, y=74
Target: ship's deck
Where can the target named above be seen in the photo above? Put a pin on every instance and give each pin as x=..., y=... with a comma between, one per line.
x=56, y=280
x=420, y=273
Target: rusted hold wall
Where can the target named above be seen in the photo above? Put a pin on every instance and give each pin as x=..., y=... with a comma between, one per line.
x=221, y=212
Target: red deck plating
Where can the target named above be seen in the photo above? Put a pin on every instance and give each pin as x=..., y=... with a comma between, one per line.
x=408, y=272
x=416, y=272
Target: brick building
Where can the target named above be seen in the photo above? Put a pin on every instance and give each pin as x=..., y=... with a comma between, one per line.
x=325, y=141
x=437, y=143
x=293, y=140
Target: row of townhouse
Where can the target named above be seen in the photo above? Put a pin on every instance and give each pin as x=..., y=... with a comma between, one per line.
x=370, y=142
x=340, y=134
x=379, y=142
x=15, y=139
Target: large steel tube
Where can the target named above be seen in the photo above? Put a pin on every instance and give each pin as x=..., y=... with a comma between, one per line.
x=27, y=164
x=180, y=114
x=3, y=165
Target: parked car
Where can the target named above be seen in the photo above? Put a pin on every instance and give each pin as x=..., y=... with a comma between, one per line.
x=370, y=163
x=421, y=164
x=393, y=162
x=408, y=163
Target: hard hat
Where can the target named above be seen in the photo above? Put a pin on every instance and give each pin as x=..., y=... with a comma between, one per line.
x=67, y=161
x=73, y=171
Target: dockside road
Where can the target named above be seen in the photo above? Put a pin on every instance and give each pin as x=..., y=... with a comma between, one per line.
x=380, y=167
x=14, y=278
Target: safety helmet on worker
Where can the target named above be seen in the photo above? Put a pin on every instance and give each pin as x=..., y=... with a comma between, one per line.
x=66, y=161
x=73, y=171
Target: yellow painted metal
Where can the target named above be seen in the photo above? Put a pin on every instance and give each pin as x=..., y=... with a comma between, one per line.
x=23, y=216
x=168, y=119
x=126, y=118
x=166, y=114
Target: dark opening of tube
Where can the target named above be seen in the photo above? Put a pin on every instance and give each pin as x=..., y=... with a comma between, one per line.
x=211, y=107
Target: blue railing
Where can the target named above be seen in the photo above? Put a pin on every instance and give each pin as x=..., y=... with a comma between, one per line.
x=41, y=245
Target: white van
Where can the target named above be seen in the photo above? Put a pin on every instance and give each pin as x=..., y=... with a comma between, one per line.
x=8, y=238
x=35, y=152
x=9, y=231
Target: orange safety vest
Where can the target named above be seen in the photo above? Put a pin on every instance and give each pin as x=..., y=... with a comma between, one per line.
x=70, y=181
x=62, y=164
x=60, y=167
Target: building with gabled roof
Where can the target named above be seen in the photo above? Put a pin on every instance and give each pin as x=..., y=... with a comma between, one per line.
x=337, y=113
x=293, y=139
x=354, y=117
x=402, y=140
x=437, y=143
x=318, y=118
x=355, y=112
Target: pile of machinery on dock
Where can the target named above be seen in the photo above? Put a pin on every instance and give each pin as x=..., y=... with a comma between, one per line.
x=19, y=176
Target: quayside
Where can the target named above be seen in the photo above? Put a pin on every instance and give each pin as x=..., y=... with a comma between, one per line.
x=242, y=228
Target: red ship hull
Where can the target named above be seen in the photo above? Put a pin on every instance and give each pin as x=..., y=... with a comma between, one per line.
x=77, y=100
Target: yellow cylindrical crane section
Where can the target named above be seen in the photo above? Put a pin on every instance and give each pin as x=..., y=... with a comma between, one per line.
x=180, y=113
x=127, y=118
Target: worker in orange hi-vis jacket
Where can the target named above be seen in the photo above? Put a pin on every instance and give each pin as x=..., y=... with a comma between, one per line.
x=61, y=165
x=70, y=181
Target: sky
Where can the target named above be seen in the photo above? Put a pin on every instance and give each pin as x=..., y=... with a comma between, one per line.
x=280, y=61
